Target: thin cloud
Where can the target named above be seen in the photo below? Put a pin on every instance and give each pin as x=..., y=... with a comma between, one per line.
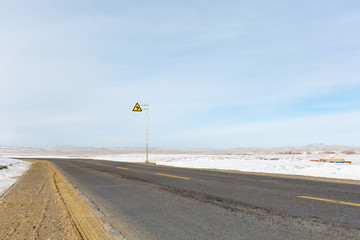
x=205, y=68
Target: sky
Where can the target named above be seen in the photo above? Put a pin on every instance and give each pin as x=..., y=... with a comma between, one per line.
x=216, y=74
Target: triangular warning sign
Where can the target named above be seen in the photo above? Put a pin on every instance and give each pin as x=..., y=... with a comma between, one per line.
x=137, y=108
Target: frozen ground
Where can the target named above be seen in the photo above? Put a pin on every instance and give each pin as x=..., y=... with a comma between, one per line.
x=284, y=163
x=13, y=170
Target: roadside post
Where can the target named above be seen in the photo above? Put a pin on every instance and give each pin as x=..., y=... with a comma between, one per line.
x=137, y=108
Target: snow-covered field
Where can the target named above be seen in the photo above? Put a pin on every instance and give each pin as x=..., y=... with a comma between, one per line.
x=13, y=170
x=297, y=164
x=287, y=162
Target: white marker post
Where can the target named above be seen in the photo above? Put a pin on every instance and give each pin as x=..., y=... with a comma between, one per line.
x=137, y=108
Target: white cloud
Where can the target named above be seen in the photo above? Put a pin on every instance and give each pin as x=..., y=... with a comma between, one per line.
x=79, y=67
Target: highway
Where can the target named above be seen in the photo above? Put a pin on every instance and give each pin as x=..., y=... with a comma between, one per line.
x=156, y=202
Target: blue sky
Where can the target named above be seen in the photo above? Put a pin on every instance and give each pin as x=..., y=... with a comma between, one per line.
x=217, y=74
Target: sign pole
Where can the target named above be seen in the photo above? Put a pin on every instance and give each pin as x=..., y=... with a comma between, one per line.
x=147, y=132
x=137, y=108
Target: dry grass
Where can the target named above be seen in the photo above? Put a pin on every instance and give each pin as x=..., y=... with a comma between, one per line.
x=290, y=153
x=349, y=152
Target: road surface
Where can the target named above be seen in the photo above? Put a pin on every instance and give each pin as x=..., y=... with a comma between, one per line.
x=153, y=202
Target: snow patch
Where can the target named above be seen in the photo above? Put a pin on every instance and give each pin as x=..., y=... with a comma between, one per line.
x=295, y=164
x=14, y=169
x=285, y=162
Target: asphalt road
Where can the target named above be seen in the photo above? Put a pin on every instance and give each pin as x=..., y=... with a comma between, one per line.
x=154, y=202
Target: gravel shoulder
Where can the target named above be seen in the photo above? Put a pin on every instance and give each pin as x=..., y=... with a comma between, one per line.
x=42, y=205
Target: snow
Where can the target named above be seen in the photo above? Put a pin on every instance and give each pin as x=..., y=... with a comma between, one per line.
x=289, y=162
x=293, y=164
x=14, y=169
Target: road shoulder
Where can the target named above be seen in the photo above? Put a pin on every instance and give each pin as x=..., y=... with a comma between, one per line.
x=42, y=205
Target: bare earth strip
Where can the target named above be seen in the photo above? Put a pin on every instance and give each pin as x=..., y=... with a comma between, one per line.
x=42, y=205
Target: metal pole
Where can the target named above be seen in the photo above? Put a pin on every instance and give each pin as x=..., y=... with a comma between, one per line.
x=137, y=108
x=146, y=108
x=147, y=133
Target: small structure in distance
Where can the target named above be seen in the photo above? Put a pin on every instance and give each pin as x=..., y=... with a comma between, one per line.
x=331, y=160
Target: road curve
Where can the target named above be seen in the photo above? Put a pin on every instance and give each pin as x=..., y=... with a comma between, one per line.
x=155, y=202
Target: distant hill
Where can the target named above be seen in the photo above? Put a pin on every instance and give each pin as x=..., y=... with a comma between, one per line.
x=323, y=145
x=316, y=145
x=73, y=151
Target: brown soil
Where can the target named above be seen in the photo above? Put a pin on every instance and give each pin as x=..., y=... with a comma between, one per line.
x=41, y=206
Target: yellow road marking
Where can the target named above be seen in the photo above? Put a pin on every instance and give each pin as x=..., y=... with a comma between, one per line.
x=99, y=164
x=122, y=168
x=172, y=176
x=329, y=200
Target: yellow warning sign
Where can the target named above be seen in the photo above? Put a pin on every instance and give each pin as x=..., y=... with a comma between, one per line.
x=137, y=108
